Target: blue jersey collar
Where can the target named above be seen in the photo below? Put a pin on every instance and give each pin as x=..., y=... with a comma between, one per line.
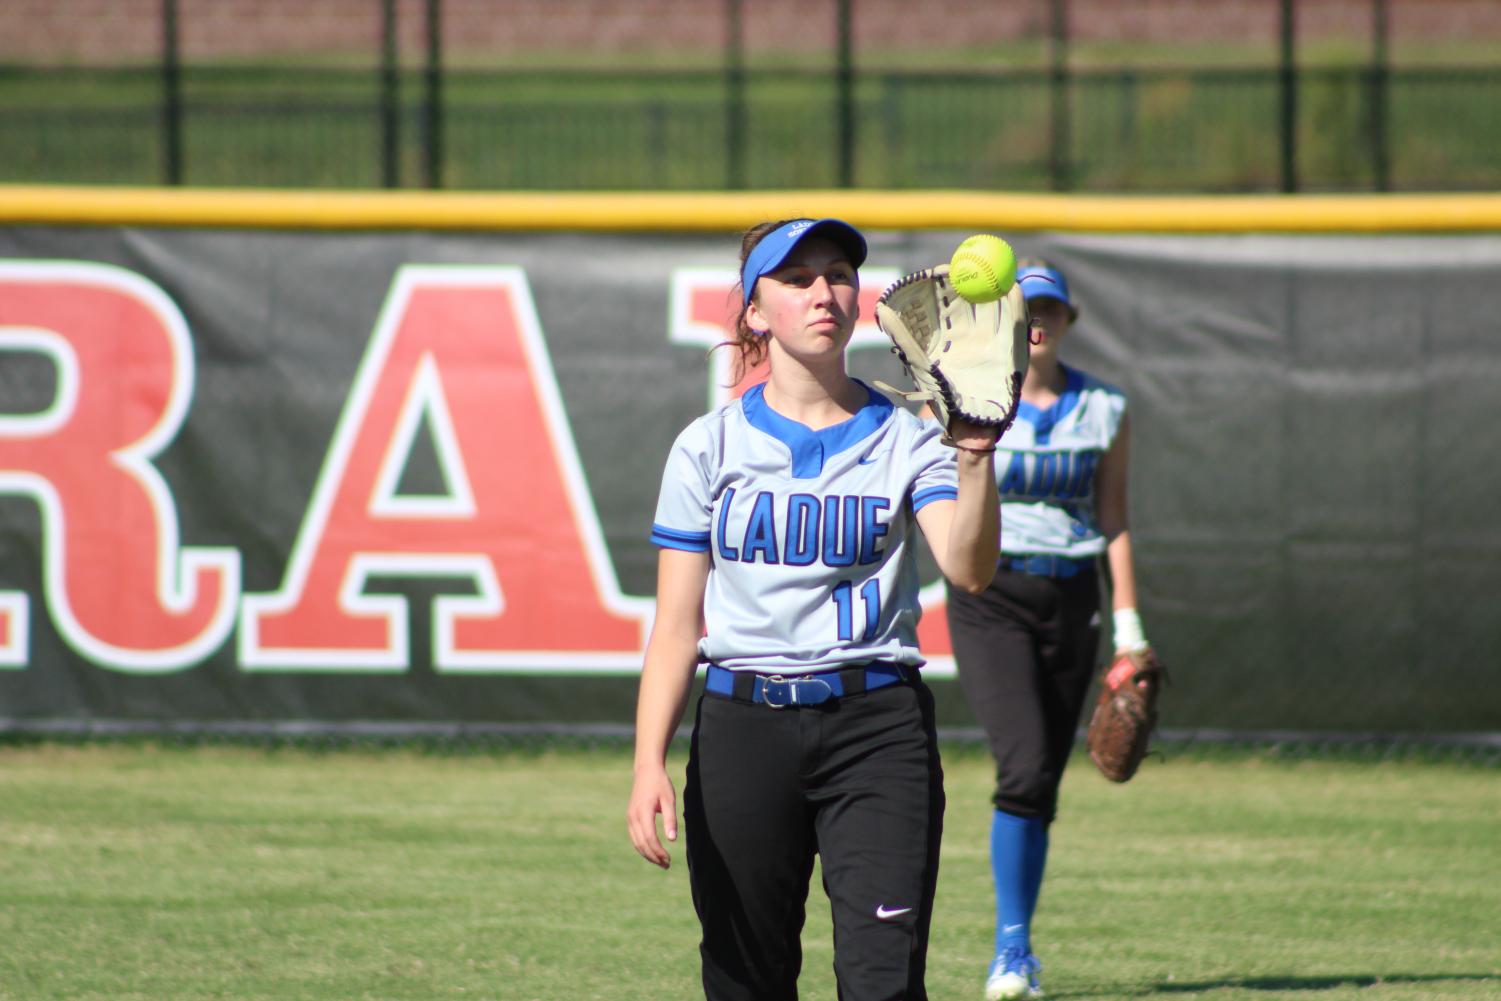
x=1043, y=421
x=811, y=449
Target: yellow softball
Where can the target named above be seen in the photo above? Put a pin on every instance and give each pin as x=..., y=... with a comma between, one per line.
x=983, y=269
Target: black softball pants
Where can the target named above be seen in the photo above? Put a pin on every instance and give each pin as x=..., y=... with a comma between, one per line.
x=857, y=781
x=1025, y=649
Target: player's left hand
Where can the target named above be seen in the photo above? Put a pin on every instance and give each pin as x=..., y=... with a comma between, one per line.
x=973, y=437
x=966, y=359
x=1126, y=713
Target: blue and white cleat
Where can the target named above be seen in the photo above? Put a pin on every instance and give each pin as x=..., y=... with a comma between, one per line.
x=1013, y=975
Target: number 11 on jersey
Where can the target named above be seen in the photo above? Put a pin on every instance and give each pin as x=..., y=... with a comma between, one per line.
x=844, y=601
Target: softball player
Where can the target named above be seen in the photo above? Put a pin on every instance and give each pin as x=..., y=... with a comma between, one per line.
x=1025, y=647
x=786, y=526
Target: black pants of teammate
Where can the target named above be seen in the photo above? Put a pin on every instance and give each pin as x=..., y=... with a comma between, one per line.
x=856, y=781
x=1025, y=649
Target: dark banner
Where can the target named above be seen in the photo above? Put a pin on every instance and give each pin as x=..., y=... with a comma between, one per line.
x=280, y=476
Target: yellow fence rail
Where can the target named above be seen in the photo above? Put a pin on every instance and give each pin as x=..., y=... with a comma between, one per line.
x=716, y=211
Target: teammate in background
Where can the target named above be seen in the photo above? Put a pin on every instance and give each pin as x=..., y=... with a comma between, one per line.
x=1026, y=646
x=786, y=525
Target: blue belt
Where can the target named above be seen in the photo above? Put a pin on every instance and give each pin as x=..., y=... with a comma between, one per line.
x=778, y=691
x=1046, y=565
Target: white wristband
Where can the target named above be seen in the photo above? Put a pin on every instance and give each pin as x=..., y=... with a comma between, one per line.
x=1128, y=631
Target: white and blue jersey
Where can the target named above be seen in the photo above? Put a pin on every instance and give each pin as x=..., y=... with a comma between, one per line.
x=1045, y=468
x=810, y=534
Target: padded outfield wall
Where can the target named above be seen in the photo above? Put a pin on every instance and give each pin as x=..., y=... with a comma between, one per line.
x=285, y=460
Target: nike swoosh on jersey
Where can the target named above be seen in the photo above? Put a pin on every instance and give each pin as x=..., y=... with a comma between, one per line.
x=886, y=914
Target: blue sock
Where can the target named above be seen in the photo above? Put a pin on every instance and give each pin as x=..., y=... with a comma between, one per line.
x=1018, y=855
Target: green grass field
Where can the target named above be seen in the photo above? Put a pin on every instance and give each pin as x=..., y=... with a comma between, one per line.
x=136, y=872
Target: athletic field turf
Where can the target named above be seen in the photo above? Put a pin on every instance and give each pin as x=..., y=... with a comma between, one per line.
x=137, y=872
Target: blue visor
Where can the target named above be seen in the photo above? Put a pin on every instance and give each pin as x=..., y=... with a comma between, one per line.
x=1044, y=283
x=768, y=255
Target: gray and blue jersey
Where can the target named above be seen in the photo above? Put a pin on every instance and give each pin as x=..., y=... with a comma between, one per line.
x=1045, y=467
x=810, y=534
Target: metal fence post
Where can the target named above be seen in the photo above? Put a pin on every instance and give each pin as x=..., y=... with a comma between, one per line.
x=1058, y=89
x=390, y=109
x=1380, y=61
x=432, y=118
x=734, y=94
x=171, y=95
x=846, y=99
x=1289, y=88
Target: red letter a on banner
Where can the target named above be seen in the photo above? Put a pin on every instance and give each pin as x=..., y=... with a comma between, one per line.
x=462, y=348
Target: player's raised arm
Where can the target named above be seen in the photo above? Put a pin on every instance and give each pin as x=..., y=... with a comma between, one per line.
x=666, y=676
x=962, y=332
x=965, y=535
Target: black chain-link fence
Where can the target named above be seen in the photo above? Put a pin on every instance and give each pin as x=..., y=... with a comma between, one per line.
x=1088, y=95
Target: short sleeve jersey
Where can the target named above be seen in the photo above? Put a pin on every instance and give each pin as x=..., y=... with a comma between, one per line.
x=810, y=534
x=1045, y=469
